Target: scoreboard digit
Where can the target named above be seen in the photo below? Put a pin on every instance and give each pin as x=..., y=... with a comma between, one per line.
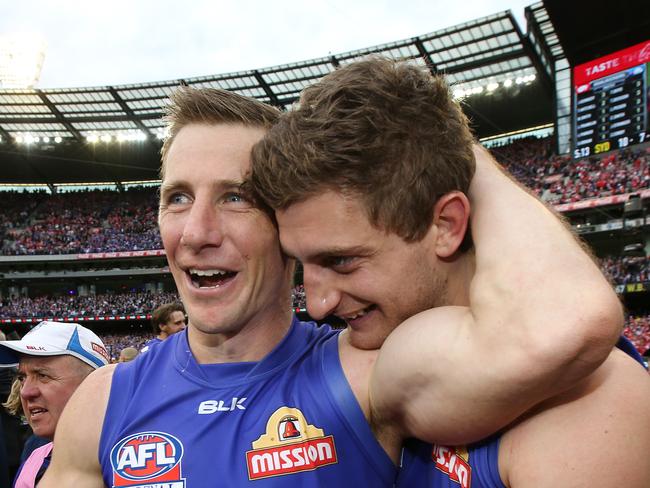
x=610, y=101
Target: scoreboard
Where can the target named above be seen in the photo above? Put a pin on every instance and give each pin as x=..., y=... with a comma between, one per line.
x=610, y=101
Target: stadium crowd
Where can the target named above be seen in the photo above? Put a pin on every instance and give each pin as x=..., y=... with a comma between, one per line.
x=116, y=342
x=108, y=221
x=561, y=179
x=102, y=304
x=622, y=270
x=80, y=222
x=637, y=330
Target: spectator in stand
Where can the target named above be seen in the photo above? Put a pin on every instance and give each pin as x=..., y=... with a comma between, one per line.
x=117, y=341
x=53, y=359
x=622, y=270
x=637, y=330
x=166, y=320
x=22, y=446
x=298, y=298
x=127, y=354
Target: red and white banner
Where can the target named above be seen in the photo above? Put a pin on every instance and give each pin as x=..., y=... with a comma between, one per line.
x=599, y=202
x=121, y=254
x=612, y=63
x=84, y=318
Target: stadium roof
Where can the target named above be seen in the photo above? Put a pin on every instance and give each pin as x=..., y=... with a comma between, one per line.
x=471, y=55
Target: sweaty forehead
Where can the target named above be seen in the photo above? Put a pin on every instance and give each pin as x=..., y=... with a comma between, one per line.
x=328, y=223
x=228, y=146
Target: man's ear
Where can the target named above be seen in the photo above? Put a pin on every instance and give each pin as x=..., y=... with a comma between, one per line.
x=451, y=217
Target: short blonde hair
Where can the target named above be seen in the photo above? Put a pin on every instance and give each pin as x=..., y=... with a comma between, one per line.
x=213, y=106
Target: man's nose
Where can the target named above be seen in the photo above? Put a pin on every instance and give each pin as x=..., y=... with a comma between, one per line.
x=29, y=389
x=203, y=226
x=321, y=293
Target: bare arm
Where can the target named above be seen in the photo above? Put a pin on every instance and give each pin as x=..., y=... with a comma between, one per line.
x=541, y=317
x=76, y=443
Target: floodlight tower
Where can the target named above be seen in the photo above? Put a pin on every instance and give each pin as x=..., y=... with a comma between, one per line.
x=21, y=60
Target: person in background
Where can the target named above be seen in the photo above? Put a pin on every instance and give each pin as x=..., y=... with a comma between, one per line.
x=166, y=320
x=127, y=354
x=53, y=359
x=27, y=441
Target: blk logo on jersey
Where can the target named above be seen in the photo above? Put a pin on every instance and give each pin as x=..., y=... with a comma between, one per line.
x=454, y=462
x=147, y=460
x=213, y=406
x=289, y=445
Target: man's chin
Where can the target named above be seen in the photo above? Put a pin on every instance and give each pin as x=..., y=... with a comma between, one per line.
x=45, y=433
x=366, y=342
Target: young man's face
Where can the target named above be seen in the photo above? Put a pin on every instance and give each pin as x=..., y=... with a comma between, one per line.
x=372, y=279
x=175, y=323
x=223, y=251
x=47, y=385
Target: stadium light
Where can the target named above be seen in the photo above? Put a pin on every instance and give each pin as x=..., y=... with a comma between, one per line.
x=57, y=139
x=106, y=138
x=459, y=94
x=492, y=86
x=507, y=83
x=92, y=138
x=46, y=139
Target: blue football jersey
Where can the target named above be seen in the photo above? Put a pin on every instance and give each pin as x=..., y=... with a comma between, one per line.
x=150, y=343
x=288, y=420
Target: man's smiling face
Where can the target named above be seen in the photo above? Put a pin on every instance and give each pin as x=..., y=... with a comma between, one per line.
x=371, y=278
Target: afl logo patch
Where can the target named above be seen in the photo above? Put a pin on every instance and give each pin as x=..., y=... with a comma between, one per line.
x=147, y=459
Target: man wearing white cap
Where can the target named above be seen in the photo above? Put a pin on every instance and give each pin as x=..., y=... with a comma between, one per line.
x=53, y=359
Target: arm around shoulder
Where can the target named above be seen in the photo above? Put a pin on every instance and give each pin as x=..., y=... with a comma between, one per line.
x=76, y=443
x=541, y=317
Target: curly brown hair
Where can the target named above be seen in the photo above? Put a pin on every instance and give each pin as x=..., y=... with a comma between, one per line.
x=161, y=315
x=385, y=131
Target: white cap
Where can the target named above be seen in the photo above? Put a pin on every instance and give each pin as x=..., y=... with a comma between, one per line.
x=56, y=339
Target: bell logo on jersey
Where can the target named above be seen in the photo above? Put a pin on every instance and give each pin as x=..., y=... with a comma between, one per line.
x=454, y=462
x=289, y=445
x=147, y=460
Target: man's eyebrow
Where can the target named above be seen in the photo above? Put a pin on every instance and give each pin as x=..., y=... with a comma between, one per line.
x=37, y=369
x=335, y=251
x=219, y=185
x=229, y=184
